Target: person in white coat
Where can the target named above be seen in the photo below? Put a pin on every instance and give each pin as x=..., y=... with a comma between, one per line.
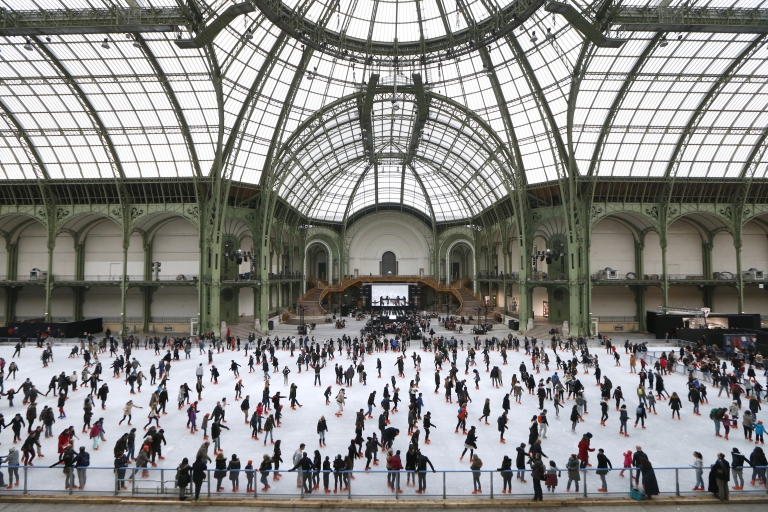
x=340, y=402
x=297, y=456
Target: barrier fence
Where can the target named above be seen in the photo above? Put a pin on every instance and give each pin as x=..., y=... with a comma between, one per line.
x=131, y=481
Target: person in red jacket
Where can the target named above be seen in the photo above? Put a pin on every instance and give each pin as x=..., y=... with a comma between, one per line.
x=395, y=465
x=584, y=450
x=64, y=441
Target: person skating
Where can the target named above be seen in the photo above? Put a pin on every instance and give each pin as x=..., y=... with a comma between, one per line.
x=476, y=466
x=522, y=454
x=584, y=450
x=427, y=424
x=575, y=418
x=574, y=473
x=675, y=404
x=421, y=470
x=640, y=415
x=538, y=473
x=698, y=467
x=506, y=474
x=183, y=478
x=340, y=401
x=738, y=461
x=470, y=443
x=501, y=423
x=603, y=463
x=264, y=468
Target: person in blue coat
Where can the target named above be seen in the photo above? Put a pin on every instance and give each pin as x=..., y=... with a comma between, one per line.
x=82, y=461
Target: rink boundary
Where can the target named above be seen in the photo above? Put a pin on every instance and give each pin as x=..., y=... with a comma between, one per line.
x=385, y=504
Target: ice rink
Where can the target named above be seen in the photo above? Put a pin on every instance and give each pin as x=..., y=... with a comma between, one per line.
x=668, y=442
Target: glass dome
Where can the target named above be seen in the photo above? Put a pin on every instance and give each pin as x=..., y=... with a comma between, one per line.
x=693, y=107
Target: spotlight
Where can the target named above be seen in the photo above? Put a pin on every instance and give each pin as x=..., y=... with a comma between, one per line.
x=663, y=41
x=28, y=45
x=248, y=35
x=105, y=43
x=136, y=43
x=534, y=38
x=48, y=38
x=549, y=36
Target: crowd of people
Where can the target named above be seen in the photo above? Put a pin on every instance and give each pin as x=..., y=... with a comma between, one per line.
x=551, y=373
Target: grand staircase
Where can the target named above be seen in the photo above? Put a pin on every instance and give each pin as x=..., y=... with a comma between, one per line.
x=311, y=300
x=469, y=301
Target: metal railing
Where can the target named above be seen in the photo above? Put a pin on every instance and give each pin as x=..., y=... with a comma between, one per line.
x=617, y=319
x=358, y=484
x=631, y=276
x=498, y=276
x=170, y=319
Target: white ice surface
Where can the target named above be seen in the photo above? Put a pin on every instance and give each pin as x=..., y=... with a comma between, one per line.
x=668, y=442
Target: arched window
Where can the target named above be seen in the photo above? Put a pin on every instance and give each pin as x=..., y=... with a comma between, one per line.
x=388, y=264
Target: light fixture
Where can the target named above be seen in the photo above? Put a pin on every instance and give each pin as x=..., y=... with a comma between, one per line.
x=549, y=36
x=311, y=75
x=48, y=38
x=663, y=40
x=534, y=38
x=105, y=43
x=136, y=43
x=248, y=35
x=28, y=45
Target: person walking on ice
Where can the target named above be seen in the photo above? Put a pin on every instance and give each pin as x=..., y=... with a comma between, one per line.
x=340, y=400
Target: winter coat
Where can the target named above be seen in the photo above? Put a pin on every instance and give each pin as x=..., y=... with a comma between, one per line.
x=649, y=480
x=603, y=462
x=573, y=469
x=584, y=450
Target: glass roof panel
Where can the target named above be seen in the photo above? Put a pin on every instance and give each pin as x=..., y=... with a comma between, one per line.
x=158, y=105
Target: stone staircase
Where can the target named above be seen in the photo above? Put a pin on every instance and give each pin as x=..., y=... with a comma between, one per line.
x=469, y=302
x=311, y=300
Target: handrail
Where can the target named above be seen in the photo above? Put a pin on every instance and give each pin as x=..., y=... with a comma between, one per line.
x=161, y=481
x=309, y=292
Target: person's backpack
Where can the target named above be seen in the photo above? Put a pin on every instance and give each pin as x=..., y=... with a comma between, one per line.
x=713, y=413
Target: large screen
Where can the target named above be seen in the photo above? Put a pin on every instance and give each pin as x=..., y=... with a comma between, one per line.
x=382, y=291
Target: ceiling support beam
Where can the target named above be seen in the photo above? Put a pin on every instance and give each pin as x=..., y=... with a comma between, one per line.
x=690, y=19
x=339, y=45
x=209, y=33
x=115, y=20
x=583, y=25
x=422, y=113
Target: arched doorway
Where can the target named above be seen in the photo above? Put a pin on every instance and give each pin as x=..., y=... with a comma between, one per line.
x=388, y=264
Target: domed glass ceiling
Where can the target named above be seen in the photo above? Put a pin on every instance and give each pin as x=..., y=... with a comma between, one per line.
x=406, y=20
x=72, y=109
